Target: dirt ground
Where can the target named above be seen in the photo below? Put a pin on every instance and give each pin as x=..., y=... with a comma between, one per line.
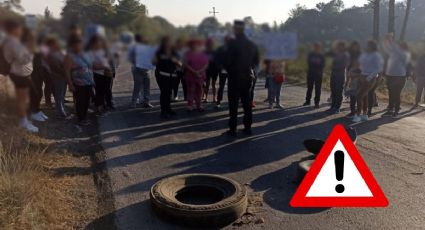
x=49, y=180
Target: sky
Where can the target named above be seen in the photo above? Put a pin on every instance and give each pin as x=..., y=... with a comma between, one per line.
x=183, y=12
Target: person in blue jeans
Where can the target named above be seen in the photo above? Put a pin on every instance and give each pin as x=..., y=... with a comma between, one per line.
x=141, y=57
x=276, y=79
x=55, y=60
x=339, y=69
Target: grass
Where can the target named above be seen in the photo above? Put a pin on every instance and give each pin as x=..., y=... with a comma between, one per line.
x=32, y=195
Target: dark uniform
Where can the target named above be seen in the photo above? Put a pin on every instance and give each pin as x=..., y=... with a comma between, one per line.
x=241, y=59
x=219, y=60
x=165, y=73
x=316, y=64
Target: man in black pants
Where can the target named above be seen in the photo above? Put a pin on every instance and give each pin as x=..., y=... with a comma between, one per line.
x=222, y=76
x=242, y=57
x=316, y=64
x=339, y=68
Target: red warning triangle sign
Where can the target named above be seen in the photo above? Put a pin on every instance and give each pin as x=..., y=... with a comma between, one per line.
x=339, y=177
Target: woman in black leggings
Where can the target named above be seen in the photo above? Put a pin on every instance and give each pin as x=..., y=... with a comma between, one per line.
x=166, y=61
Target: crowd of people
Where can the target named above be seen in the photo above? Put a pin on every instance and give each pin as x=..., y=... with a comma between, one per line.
x=39, y=66
x=87, y=68
x=197, y=66
x=356, y=73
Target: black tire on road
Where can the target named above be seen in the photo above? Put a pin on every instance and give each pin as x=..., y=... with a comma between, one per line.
x=228, y=200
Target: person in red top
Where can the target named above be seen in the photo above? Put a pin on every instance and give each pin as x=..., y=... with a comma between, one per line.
x=196, y=64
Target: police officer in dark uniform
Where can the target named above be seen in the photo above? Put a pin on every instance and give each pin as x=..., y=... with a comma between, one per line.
x=241, y=60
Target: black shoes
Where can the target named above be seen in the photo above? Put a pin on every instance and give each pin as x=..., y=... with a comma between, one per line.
x=231, y=133
x=172, y=113
x=147, y=105
x=247, y=132
x=306, y=103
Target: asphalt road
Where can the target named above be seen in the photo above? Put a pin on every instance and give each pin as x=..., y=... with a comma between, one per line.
x=141, y=149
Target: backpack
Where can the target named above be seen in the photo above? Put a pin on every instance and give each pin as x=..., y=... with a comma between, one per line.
x=4, y=64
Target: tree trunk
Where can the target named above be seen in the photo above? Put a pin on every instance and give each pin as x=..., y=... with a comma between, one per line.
x=391, y=17
x=406, y=20
x=376, y=19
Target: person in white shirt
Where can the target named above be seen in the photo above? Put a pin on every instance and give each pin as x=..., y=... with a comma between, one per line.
x=396, y=72
x=97, y=54
x=140, y=55
x=371, y=65
x=20, y=56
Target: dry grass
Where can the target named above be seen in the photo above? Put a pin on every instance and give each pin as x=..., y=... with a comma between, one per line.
x=32, y=195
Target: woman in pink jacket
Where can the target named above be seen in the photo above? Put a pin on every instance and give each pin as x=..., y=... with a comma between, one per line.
x=196, y=63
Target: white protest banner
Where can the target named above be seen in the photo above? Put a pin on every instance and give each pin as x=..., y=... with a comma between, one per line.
x=280, y=46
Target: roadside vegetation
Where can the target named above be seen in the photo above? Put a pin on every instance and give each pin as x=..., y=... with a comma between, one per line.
x=39, y=187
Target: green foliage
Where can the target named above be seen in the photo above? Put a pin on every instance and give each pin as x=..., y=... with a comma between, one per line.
x=330, y=21
x=152, y=29
x=127, y=11
x=208, y=25
x=88, y=11
x=12, y=5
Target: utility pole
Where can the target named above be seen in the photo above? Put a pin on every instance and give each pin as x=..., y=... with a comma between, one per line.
x=376, y=19
x=406, y=20
x=391, y=17
x=214, y=12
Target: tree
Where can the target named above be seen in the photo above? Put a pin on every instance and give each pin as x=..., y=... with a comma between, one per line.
x=88, y=11
x=47, y=13
x=376, y=16
x=12, y=4
x=208, y=25
x=127, y=11
x=406, y=20
x=334, y=6
x=391, y=17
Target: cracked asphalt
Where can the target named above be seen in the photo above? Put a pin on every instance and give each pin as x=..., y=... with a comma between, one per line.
x=141, y=149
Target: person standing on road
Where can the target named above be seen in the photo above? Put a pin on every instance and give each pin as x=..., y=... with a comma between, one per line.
x=140, y=57
x=180, y=49
x=396, y=72
x=339, y=69
x=371, y=65
x=316, y=64
x=96, y=53
x=276, y=78
x=167, y=62
x=79, y=75
x=353, y=73
x=212, y=71
x=40, y=76
x=242, y=59
x=222, y=72
x=19, y=57
x=196, y=64
x=55, y=60
x=419, y=78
